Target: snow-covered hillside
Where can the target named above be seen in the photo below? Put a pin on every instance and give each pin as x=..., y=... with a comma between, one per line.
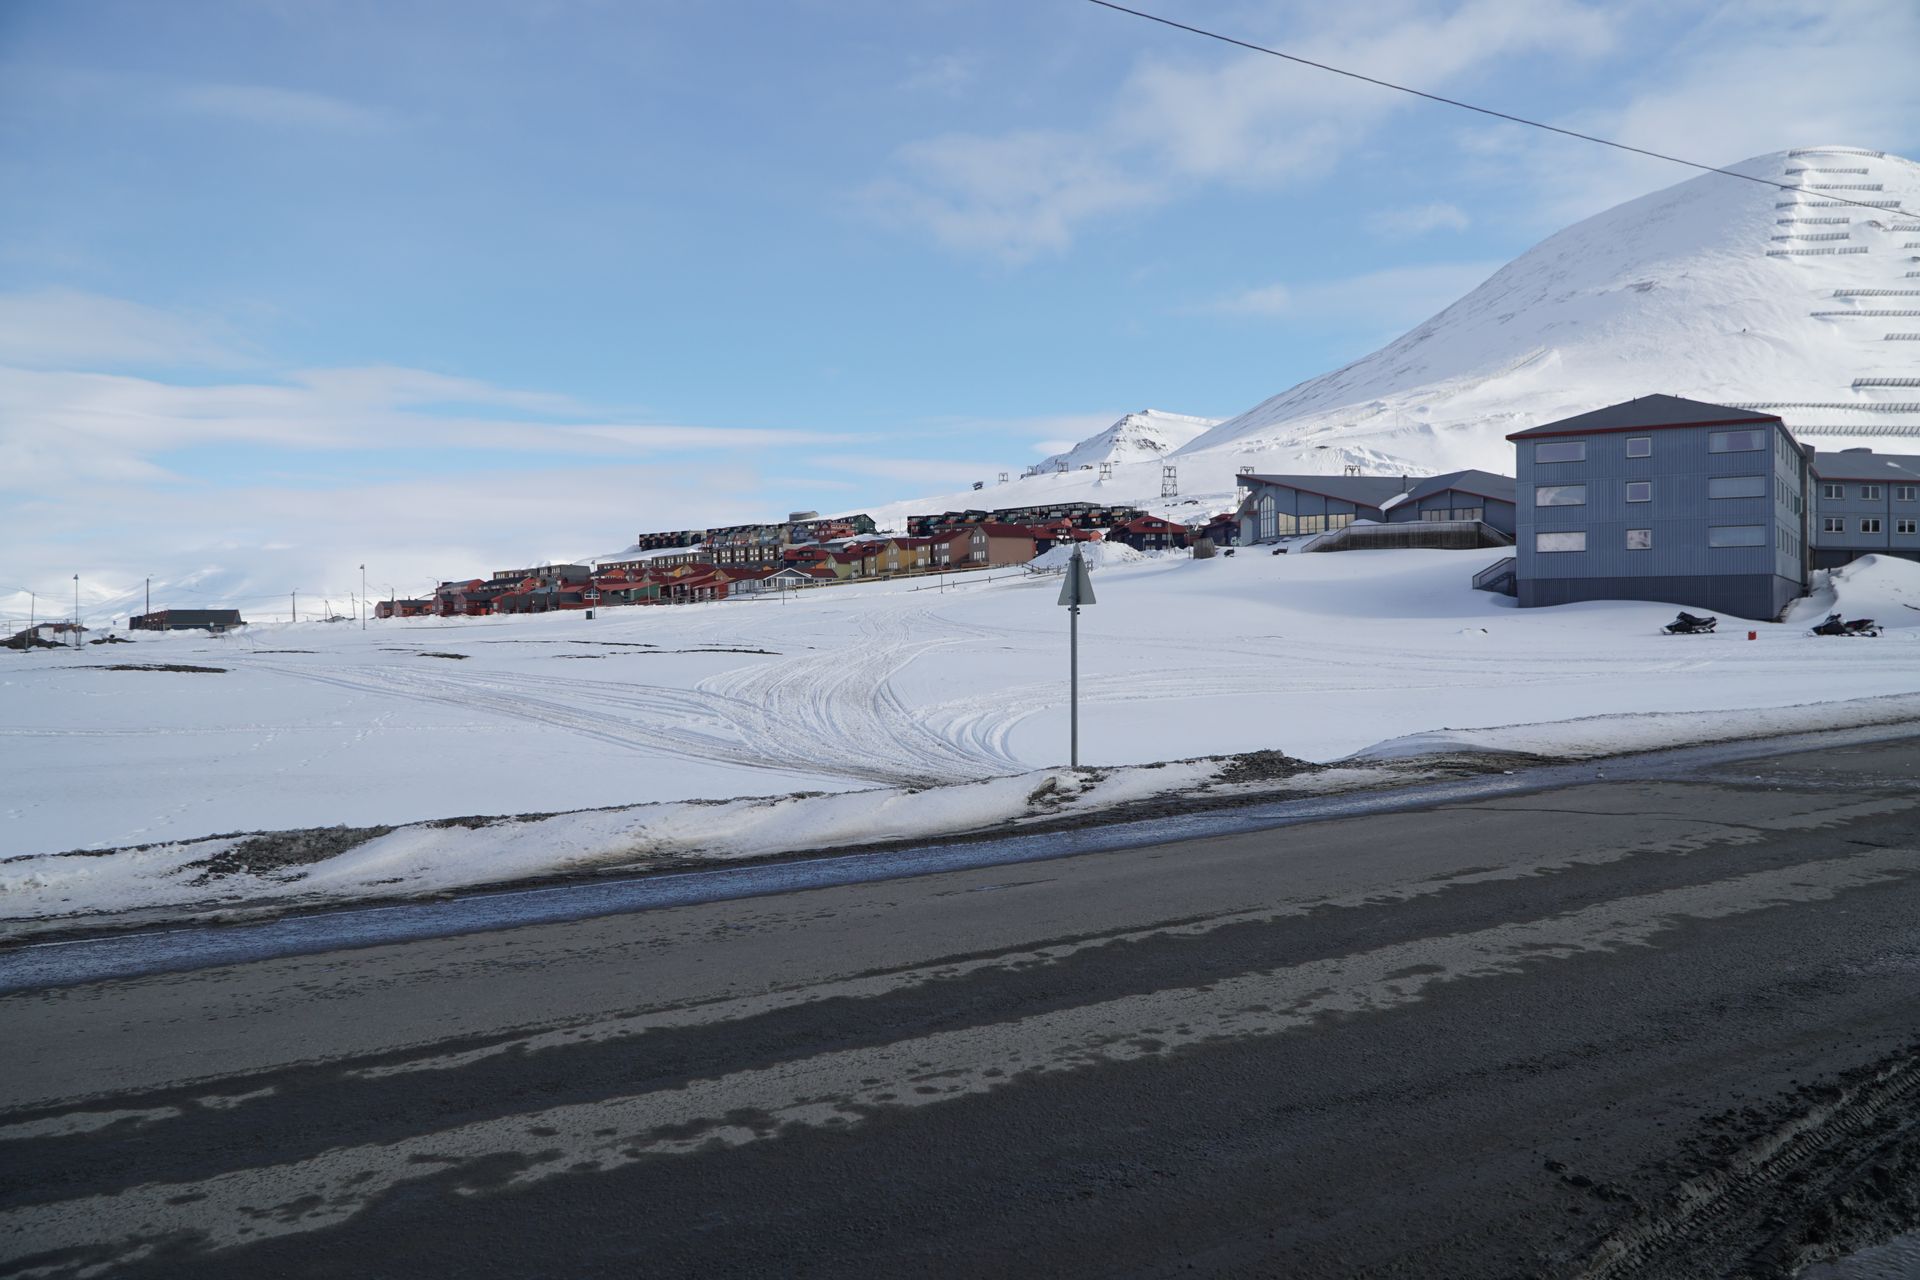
x=1146, y=436
x=1714, y=289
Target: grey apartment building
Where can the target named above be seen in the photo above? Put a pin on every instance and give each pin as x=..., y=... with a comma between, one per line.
x=1662, y=498
x=1864, y=502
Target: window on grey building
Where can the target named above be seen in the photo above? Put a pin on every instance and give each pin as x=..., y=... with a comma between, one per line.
x=1560, y=451
x=1903, y=492
x=1736, y=486
x=1266, y=509
x=1832, y=524
x=1639, y=446
x=1639, y=491
x=1870, y=492
x=1469, y=513
x=1870, y=525
x=1559, y=495
x=1735, y=441
x=1339, y=519
x=1737, y=535
x=1434, y=513
x=1905, y=526
x=1639, y=539
x=1831, y=491
x=1572, y=541
x=1313, y=524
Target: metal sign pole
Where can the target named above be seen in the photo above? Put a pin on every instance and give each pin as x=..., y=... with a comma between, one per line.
x=1074, y=592
x=1073, y=685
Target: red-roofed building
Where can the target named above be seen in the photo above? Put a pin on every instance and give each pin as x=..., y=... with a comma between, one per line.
x=1149, y=533
x=993, y=544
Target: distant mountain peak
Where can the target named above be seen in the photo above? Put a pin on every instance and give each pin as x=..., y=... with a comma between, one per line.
x=1138, y=437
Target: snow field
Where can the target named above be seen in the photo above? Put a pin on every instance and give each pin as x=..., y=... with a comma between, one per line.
x=875, y=685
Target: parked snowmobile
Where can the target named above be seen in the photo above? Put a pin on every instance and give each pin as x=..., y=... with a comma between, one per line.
x=1689, y=625
x=1835, y=625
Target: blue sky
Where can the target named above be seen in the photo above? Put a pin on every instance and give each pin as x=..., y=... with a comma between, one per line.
x=287, y=286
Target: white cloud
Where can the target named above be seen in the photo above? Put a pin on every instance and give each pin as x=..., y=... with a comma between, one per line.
x=1390, y=298
x=60, y=427
x=1012, y=196
x=269, y=105
x=67, y=326
x=1749, y=79
x=1418, y=220
x=1179, y=124
x=947, y=73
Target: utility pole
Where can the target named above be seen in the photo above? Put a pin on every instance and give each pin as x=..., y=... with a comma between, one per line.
x=293, y=613
x=1074, y=592
x=76, y=611
x=363, y=597
x=149, y=593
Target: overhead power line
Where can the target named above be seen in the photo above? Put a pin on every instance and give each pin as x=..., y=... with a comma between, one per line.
x=1485, y=111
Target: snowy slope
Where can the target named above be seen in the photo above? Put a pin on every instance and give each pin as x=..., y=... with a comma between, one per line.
x=1146, y=436
x=1714, y=289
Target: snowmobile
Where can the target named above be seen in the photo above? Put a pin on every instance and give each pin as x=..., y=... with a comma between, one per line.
x=1688, y=625
x=1836, y=626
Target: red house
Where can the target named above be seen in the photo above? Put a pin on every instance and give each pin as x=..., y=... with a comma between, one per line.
x=1149, y=533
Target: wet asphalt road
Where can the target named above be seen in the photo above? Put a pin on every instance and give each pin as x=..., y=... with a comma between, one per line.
x=1487, y=1039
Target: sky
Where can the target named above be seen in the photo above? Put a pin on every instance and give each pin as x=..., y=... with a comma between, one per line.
x=291, y=286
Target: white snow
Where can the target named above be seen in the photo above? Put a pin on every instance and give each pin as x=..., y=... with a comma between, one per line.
x=1670, y=293
x=896, y=691
x=1146, y=436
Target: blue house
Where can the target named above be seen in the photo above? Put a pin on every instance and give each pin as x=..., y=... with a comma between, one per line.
x=1662, y=498
x=1459, y=495
x=1864, y=502
x=1282, y=506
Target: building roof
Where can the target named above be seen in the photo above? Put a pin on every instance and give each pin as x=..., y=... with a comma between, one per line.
x=1865, y=464
x=995, y=529
x=1481, y=484
x=1365, y=491
x=1647, y=413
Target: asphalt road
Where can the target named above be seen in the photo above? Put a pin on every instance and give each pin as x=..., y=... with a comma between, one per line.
x=1648, y=1028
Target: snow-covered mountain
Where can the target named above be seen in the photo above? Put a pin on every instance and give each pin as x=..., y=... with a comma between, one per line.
x=1715, y=289
x=1145, y=436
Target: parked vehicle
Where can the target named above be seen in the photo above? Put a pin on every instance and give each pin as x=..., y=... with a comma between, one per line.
x=1689, y=625
x=1835, y=625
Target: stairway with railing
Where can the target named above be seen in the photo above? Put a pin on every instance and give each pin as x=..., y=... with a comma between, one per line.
x=1501, y=577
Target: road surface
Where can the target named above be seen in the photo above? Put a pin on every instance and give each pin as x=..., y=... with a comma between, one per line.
x=1661, y=1027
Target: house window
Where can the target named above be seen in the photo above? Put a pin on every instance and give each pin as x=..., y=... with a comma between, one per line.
x=1737, y=535
x=1435, y=513
x=1284, y=523
x=1870, y=492
x=1559, y=495
x=1737, y=487
x=1736, y=441
x=1573, y=541
x=1905, y=526
x=1639, y=539
x=1266, y=509
x=1313, y=524
x=1339, y=519
x=1469, y=513
x=1903, y=492
x=1639, y=446
x=1639, y=491
x=1870, y=525
x=1561, y=451
x=1832, y=524
x=1831, y=491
